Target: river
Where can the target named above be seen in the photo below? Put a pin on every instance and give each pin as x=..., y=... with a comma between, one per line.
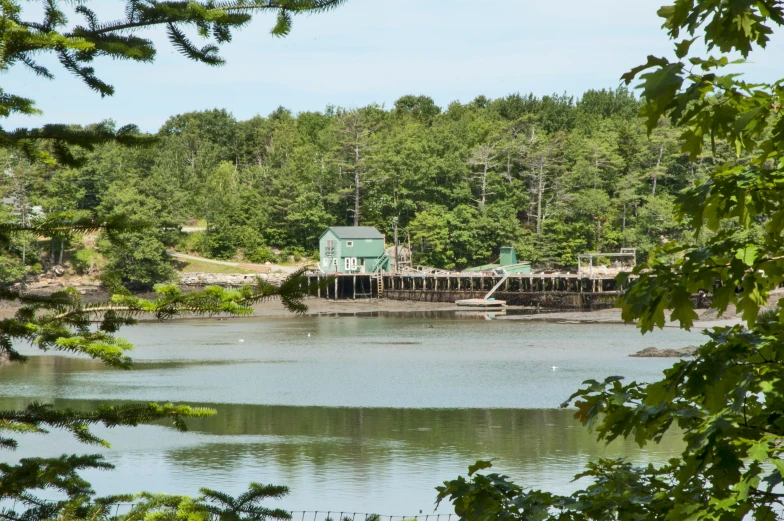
x=353, y=413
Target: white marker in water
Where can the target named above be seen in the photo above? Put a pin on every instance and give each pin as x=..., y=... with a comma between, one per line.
x=555, y=367
x=242, y=340
x=308, y=335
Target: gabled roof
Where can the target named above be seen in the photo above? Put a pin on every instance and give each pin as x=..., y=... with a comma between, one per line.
x=355, y=232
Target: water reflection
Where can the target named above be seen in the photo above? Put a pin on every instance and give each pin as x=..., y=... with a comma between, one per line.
x=353, y=413
x=379, y=459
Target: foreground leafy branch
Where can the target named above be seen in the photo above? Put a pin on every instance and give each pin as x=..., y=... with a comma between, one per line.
x=727, y=403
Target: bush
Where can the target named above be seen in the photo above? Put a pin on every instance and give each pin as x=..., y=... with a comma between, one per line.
x=191, y=243
x=83, y=260
x=138, y=259
x=11, y=269
x=292, y=251
x=260, y=255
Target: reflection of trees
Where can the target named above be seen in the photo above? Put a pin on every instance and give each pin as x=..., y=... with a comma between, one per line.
x=292, y=437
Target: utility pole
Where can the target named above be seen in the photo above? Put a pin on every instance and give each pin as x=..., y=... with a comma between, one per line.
x=394, y=227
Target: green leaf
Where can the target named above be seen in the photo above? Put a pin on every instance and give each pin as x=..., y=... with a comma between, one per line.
x=479, y=465
x=682, y=47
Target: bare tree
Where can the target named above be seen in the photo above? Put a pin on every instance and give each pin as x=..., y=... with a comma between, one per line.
x=483, y=159
x=544, y=159
x=513, y=142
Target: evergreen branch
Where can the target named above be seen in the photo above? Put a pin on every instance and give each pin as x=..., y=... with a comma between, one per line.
x=207, y=54
x=87, y=74
x=61, y=137
x=82, y=43
x=39, y=416
x=37, y=69
x=11, y=104
x=62, y=320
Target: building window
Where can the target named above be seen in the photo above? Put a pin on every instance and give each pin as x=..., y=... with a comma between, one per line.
x=351, y=263
x=349, y=244
x=329, y=249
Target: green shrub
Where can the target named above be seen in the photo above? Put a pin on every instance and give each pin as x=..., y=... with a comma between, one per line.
x=260, y=255
x=138, y=259
x=292, y=251
x=11, y=269
x=191, y=243
x=84, y=260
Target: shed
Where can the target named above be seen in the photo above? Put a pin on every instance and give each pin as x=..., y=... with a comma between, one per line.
x=508, y=263
x=352, y=249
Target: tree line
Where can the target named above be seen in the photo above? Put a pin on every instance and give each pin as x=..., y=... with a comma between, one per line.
x=555, y=176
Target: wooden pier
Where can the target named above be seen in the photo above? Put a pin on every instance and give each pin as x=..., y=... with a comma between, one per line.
x=539, y=290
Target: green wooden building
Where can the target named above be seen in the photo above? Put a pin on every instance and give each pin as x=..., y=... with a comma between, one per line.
x=352, y=249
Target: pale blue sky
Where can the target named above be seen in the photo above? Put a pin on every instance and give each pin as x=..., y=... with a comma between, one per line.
x=372, y=51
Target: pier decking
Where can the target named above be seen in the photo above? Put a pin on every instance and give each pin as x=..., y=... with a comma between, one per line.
x=543, y=290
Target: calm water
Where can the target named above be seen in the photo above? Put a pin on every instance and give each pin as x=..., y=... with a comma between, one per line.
x=365, y=414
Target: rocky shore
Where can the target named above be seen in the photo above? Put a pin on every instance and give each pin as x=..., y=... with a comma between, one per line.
x=229, y=279
x=655, y=352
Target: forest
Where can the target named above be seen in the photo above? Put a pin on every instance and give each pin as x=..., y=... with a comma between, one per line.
x=555, y=176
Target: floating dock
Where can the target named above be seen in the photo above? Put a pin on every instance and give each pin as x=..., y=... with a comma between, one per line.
x=535, y=290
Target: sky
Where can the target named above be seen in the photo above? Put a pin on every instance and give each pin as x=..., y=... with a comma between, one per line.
x=369, y=51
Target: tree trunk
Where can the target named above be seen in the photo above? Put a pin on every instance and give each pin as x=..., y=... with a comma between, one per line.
x=539, y=194
x=623, y=225
x=509, y=166
x=62, y=245
x=656, y=171
x=484, y=188
x=356, y=186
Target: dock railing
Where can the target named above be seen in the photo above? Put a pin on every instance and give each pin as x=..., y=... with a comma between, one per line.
x=120, y=509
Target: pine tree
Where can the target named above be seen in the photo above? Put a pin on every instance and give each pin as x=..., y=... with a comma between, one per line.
x=62, y=321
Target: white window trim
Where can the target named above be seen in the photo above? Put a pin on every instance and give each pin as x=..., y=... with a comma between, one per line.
x=349, y=244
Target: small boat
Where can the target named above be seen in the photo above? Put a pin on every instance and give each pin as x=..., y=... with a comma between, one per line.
x=487, y=302
x=481, y=303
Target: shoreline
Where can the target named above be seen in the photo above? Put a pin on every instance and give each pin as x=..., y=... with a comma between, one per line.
x=318, y=307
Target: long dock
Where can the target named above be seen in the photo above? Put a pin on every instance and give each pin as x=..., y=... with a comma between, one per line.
x=539, y=290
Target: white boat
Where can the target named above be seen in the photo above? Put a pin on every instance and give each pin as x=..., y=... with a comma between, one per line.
x=487, y=302
x=481, y=303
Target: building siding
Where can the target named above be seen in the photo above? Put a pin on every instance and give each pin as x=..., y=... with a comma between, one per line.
x=366, y=252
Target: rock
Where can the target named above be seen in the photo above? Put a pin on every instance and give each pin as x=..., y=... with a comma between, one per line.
x=227, y=279
x=654, y=352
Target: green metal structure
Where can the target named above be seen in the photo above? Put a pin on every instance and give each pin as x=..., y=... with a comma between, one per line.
x=507, y=262
x=352, y=249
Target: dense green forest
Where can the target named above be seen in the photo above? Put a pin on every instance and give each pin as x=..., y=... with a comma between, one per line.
x=555, y=176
